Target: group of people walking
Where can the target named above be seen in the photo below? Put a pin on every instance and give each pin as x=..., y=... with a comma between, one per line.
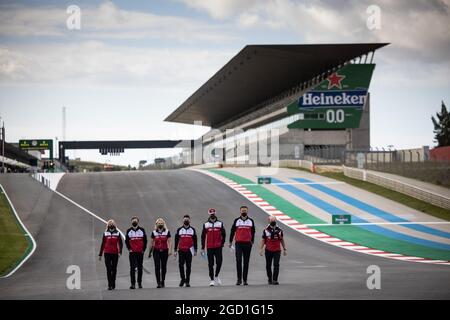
x=213, y=238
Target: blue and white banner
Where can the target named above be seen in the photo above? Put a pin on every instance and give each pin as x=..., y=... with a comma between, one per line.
x=333, y=99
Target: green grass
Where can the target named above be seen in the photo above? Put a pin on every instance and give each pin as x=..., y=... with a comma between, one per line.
x=13, y=243
x=392, y=195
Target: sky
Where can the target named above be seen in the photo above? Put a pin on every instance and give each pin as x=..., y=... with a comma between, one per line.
x=131, y=63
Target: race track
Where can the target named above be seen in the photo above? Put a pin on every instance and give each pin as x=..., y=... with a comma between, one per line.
x=66, y=235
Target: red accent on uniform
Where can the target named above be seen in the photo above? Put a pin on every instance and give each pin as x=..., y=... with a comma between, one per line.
x=111, y=243
x=214, y=234
x=160, y=240
x=186, y=242
x=273, y=244
x=136, y=241
x=243, y=232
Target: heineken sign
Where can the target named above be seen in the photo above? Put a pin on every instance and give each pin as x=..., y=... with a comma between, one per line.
x=333, y=99
x=337, y=102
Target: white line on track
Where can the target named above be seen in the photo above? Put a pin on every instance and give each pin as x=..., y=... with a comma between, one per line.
x=94, y=215
x=28, y=234
x=85, y=210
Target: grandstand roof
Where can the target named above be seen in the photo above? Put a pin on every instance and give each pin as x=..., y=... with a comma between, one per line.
x=260, y=72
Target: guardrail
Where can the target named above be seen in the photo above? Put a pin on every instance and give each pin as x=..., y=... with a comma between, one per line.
x=41, y=178
x=399, y=186
x=304, y=164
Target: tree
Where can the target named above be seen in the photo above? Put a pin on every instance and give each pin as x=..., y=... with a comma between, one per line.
x=442, y=127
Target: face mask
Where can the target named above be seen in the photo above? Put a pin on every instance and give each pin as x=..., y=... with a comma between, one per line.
x=134, y=224
x=213, y=217
x=273, y=224
x=186, y=222
x=160, y=227
x=244, y=214
x=111, y=227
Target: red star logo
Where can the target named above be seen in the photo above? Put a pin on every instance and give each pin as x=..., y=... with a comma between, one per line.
x=335, y=81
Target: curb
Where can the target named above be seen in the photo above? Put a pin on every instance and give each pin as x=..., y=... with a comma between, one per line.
x=313, y=233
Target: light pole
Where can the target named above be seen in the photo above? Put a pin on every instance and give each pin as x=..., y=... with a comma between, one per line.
x=3, y=145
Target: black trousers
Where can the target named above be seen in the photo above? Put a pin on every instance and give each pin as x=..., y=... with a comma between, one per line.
x=214, y=254
x=136, y=262
x=185, y=258
x=243, y=252
x=275, y=258
x=111, y=261
x=160, y=258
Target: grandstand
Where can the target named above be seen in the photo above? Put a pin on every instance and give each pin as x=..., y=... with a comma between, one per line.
x=17, y=160
x=315, y=95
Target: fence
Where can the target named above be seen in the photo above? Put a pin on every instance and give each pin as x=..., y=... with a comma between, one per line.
x=41, y=178
x=324, y=154
x=398, y=186
x=412, y=163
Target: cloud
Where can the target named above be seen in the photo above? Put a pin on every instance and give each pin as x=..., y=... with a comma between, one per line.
x=107, y=21
x=95, y=55
x=94, y=62
x=418, y=29
x=221, y=9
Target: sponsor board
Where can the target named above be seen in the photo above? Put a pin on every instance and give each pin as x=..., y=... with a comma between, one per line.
x=337, y=102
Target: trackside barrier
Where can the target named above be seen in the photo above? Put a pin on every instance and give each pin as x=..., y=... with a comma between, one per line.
x=304, y=164
x=399, y=186
x=41, y=179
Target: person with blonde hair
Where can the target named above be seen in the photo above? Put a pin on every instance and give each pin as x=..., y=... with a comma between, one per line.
x=273, y=240
x=161, y=249
x=111, y=248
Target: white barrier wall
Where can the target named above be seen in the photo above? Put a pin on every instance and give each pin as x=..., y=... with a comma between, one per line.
x=50, y=180
x=304, y=164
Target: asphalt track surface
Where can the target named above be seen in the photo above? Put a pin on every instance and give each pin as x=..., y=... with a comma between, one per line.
x=67, y=236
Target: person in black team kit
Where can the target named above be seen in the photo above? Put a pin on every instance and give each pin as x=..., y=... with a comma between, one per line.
x=185, y=248
x=213, y=238
x=243, y=234
x=273, y=240
x=136, y=242
x=112, y=248
x=161, y=249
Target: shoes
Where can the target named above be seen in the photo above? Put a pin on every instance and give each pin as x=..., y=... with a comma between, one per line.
x=159, y=286
x=212, y=283
x=132, y=287
x=140, y=285
x=270, y=282
x=182, y=283
x=163, y=284
x=218, y=281
x=245, y=283
x=188, y=285
x=276, y=283
x=239, y=282
x=109, y=288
